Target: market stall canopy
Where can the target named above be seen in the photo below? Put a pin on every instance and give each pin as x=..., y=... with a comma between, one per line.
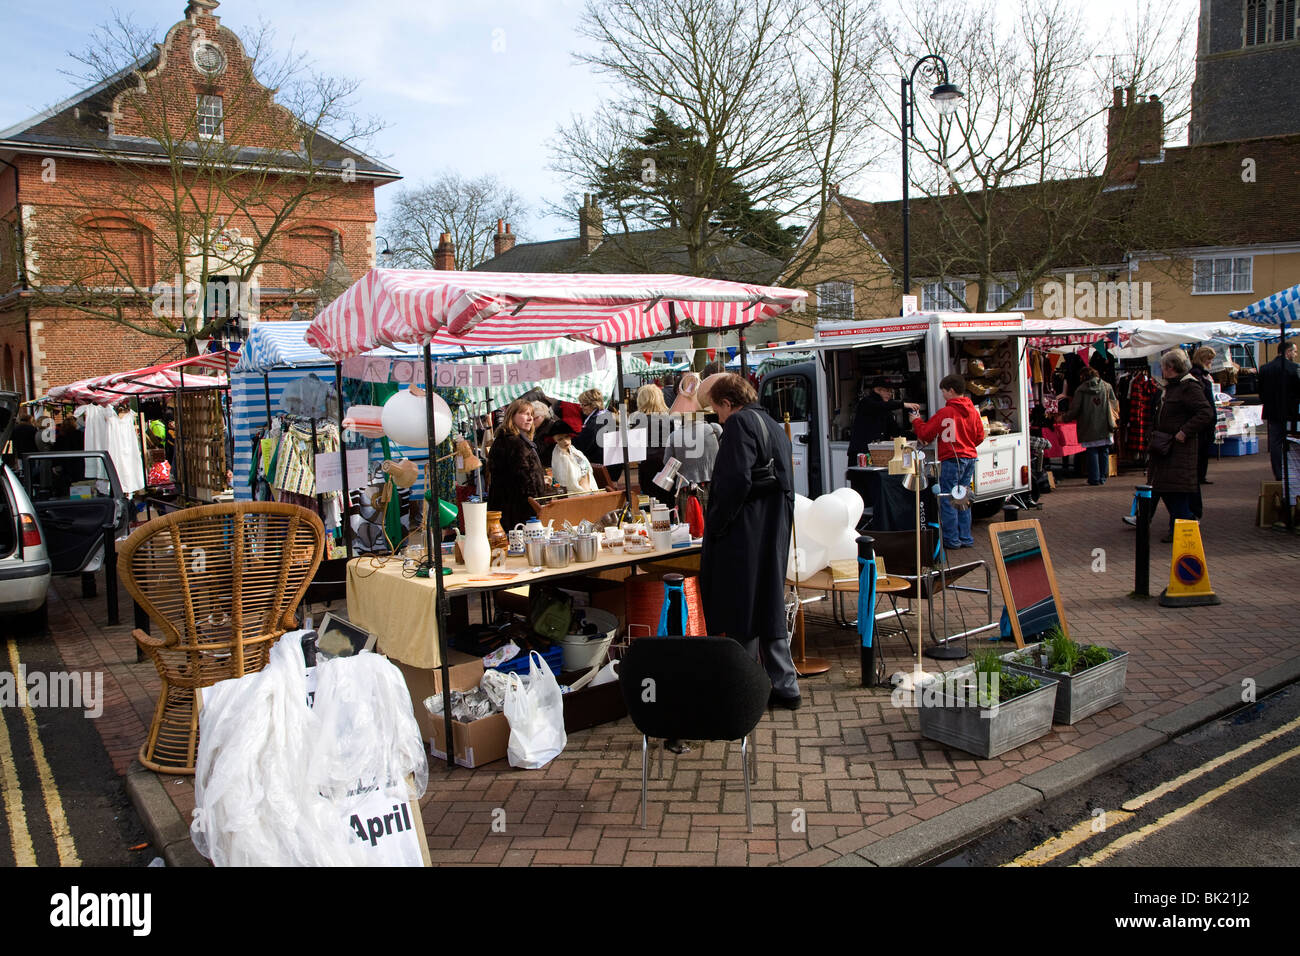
x=393, y=306
x=1154, y=335
x=273, y=345
x=152, y=380
x=114, y=389
x=1279, y=307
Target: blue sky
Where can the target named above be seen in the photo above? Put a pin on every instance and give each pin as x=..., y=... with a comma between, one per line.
x=478, y=87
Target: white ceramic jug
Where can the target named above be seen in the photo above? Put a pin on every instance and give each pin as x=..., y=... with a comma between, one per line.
x=474, y=546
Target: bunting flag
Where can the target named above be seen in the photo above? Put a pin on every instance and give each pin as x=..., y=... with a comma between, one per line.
x=690, y=356
x=712, y=353
x=731, y=352
x=648, y=356
x=668, y=355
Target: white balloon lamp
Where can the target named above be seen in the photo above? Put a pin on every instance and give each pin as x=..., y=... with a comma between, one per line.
x=405, y=422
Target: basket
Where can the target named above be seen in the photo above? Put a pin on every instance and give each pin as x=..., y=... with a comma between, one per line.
x=581, y=652
x=644, y=596
x=881, y=453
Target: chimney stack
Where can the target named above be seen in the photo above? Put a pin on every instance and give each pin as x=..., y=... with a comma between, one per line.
x=591, y=230
x=503, y=241
x=444, y=257
x=1135, y=130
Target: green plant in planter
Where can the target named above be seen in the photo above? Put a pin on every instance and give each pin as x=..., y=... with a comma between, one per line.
x=1009, y=686
x=1065, y=656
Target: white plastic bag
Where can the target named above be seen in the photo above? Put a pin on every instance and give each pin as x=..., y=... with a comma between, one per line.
x=535, y=711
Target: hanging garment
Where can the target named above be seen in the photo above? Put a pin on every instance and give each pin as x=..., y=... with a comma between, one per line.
x=124, y=449
x=1142, y=405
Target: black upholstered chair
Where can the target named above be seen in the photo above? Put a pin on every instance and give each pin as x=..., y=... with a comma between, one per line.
x=694, y=688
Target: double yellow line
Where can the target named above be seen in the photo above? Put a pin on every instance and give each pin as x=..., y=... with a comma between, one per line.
x=20, y=837
x=1079, y=833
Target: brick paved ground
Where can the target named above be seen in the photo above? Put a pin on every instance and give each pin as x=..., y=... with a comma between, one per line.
x=851, y=765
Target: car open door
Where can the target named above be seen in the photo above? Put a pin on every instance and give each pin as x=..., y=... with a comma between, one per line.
x=77, y=498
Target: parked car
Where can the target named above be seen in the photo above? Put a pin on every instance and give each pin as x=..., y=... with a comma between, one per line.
x=77, y=497
x=24, y=559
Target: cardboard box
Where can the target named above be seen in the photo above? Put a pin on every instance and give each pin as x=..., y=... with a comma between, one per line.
x=477, y=743
x=591, y=705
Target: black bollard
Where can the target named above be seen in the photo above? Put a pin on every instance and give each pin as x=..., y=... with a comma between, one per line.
x=1142, y=565
x=867, y=620
x=1010, y=513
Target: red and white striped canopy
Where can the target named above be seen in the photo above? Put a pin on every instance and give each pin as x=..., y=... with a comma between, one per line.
x=410, y=307
x=102, y=391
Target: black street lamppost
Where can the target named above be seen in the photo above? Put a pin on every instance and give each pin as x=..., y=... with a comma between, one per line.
x=945, y=96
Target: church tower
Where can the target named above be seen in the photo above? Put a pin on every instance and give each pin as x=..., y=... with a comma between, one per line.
x=1247, y=62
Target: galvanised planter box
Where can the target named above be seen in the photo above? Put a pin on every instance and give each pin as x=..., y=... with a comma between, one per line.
x=1083, y=693
x=985, y=732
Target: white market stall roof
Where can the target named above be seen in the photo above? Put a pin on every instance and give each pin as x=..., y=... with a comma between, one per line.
x=1149, y=336
x=392, y=306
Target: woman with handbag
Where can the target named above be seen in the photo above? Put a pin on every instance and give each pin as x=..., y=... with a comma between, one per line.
x=1184, y=411
x=747, y=532
x=1096, y=409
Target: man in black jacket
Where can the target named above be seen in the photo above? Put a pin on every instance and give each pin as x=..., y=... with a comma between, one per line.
x=747, y=535
x=1279, y=388
x=874, y=420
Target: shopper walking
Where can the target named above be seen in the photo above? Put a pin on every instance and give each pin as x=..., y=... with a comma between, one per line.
x=747, y=534
x=1091, y=408
x=1279, y=388
x=956, y=429
x=1183, y=412
x=1201, y=361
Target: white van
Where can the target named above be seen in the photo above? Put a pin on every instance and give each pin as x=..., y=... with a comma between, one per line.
x=914, y=353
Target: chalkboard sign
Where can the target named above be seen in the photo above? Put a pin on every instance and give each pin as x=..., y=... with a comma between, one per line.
x=1028, y=581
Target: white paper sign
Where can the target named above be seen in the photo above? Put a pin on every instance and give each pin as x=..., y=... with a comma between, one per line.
x=376, y=370
x=496, y=375
x=637, y=442
x=574, y=365
x=913, y=362
x=403, y=372
x=329, y=473
x=479, y=376
x=600, y=357
x=354, y=367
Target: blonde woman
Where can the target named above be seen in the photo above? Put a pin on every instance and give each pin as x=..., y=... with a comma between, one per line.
x=514, y=469
x=654, y=412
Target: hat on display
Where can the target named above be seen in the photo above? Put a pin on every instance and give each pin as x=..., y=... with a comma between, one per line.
x=880, y=381
x=688, y=393
x=975, y=367
x=702, y=393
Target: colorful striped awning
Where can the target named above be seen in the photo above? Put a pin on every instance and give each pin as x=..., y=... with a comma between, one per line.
x=1279, y=307
x=388, y=307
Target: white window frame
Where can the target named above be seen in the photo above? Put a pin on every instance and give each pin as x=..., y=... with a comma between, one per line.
x=1232, y=272
x=832, y=302
x=202, y=115
x=1275, y=21
x=943, y=296
x=1001, y=292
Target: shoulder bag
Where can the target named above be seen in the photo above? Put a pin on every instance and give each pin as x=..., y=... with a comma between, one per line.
x=762, y=477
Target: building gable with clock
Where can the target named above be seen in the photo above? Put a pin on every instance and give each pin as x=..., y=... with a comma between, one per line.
x=175, y=183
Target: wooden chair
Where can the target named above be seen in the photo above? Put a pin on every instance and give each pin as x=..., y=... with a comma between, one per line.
x=222, y=583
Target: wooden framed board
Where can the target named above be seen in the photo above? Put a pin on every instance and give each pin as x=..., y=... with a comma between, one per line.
x=1028, y=582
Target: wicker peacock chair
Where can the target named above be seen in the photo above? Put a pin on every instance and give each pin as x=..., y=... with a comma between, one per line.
x=222, y=583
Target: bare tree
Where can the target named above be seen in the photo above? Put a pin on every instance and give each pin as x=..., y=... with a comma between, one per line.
x=1017, y=181
x=216, y=198
x=468, y=209
x=725, y=108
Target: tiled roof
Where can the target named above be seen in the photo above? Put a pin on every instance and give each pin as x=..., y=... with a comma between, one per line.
x=1193, y=196
x=78, y=123
x=647, y=250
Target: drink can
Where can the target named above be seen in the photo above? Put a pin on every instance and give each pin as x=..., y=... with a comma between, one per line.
x=862, y=460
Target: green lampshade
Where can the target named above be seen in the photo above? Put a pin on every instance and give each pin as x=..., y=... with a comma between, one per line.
x=446, y=513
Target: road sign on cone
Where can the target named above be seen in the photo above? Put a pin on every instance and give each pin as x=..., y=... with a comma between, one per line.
x=1189, y=574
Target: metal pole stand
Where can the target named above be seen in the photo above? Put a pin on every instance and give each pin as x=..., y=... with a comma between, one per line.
x=1142, y=564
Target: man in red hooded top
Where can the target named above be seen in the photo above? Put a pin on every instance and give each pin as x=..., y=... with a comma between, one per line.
x=956, y=429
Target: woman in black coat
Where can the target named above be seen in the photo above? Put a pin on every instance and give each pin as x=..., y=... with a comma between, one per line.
x=1184, y=411
x=747, y=535
x=514, y=469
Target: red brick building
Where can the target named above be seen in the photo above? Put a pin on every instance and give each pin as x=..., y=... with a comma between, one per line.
x=181, y=166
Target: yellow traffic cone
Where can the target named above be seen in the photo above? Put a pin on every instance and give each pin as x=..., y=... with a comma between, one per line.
x=1189, y=574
